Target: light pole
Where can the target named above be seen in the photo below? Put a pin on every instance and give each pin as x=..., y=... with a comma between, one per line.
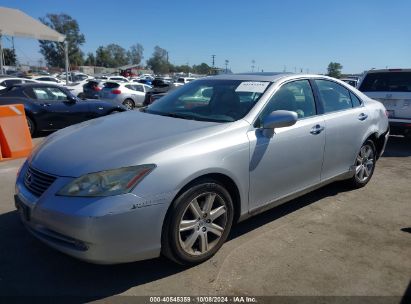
x=252, y=65
x=226, y=65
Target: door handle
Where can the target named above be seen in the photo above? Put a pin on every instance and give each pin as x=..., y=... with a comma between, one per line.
x=362, y=116
x=45, y=104
x=317, y=129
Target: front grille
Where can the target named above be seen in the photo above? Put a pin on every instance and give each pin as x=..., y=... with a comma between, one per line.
x=38, y=182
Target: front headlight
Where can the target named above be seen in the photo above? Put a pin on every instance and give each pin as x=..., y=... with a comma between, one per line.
x=107, y=183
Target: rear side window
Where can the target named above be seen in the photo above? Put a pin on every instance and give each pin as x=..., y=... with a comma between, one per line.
x=333, y=96
x=356, y=102
x=387, y=82
x=111, y=85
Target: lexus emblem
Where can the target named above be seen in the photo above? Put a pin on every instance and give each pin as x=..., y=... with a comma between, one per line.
x=29, y=178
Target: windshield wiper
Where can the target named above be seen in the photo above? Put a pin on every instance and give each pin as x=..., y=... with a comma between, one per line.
x=179, y=115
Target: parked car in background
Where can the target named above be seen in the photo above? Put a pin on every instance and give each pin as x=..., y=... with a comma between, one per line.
x=118, y=78
x=74, y=77
x=160, y=88
x=92, y=88
x=76, y=88
x=48, y=79
x=6, y=82
x=392, y=87
x=352, y=82
x=254, y=142
x=183, y=80
x=51, y=107
x=147, y=81
x=129, y=94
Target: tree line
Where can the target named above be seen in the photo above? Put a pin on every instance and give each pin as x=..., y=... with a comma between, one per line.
x=110, y=56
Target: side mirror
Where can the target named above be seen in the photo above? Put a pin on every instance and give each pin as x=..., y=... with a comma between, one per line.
x=280, y=119
x=71, y=99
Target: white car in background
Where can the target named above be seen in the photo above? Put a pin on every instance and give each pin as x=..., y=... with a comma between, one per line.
x=10, y=81
x=118, y=78
x=129, y=94
x=76, y=88
x=183, y=80
x=48, y=79
x=392, y=87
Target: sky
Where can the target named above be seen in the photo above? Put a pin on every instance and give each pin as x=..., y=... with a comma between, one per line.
x=277, y=35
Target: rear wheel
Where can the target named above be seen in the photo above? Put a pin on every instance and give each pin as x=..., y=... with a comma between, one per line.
x=364, y=165
x=198, y=223
x=129, y=104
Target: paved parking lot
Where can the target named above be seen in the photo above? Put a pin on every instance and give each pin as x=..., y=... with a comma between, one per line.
x=331, y=242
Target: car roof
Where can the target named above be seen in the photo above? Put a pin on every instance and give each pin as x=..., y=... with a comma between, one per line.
x=37, y=84
x=388, y=70
x=266, y=76
x=15, y=78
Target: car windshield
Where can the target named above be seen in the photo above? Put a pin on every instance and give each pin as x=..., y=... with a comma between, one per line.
x=211, y=100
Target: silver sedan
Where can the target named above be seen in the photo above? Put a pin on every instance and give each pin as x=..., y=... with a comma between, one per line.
x=197, y=165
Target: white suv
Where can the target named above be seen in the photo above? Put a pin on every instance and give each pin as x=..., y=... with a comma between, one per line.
x=392, y=87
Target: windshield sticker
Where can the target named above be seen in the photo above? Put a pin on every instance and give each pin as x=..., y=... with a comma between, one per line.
x=252, y=86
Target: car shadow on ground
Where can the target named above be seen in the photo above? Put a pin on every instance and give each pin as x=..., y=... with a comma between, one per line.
x=398, y=146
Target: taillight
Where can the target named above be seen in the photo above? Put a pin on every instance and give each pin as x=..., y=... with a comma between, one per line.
x=152, y=99
x=116, y=91
x=96, y=88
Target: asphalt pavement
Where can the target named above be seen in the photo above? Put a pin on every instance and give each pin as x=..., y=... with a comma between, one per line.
x=331, y=242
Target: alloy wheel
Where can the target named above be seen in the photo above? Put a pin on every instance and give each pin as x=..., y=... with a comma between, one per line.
x=128, y=104
x=364, y=164
x=203, y=223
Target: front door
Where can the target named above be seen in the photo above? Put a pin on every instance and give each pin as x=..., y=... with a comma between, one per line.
x=59, y=110
x=290, y=158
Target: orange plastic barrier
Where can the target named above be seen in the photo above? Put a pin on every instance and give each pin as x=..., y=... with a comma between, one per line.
x=15, y=139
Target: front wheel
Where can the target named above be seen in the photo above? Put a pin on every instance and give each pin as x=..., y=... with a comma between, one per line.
x=31, y=125
x=198, y=223
x=364, y=165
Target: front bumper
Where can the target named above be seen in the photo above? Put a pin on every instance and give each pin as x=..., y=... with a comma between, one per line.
x=103, y=230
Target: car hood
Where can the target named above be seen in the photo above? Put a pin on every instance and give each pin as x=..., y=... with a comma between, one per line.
x=115, y=141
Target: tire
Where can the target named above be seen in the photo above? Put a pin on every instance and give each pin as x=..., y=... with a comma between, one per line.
x=31, y=125
x=364, y=165
x=193, y=233
x=129, y=104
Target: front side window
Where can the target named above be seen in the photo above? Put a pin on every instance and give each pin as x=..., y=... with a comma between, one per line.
x=211, y=100
x=296, y=96
x=333, y=96
x=48, y=93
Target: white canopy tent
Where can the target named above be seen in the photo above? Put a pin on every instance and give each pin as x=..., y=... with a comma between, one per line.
x=14, y=22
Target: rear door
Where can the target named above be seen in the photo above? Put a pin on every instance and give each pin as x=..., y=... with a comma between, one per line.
x=137, y=93
x=346, y=122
